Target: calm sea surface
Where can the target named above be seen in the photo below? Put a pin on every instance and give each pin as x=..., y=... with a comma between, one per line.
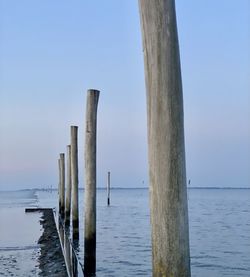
x=19, y=233
x=219, y=222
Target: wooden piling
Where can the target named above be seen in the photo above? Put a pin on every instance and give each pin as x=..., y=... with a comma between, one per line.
x=62, y=178
x=90, y=183
x=168, y=192
x=108, y=189
x=74, y=181
x=68, y=190
x=59, y=186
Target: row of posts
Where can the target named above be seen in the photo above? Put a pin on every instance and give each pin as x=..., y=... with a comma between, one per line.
x=71, y=184
x=166, y=150
x=69, y=205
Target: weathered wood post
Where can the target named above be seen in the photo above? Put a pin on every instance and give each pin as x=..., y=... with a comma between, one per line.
x=74, y=181
x=62, y=178
x=59, y=186
x=108, y=189
x=68, y=190
x=169, y=211
x=90, y=183
x=67, y=249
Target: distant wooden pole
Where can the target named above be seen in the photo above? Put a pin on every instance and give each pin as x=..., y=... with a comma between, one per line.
x=68, y=191
x=74, y=181
x=90, y=183
x=169, y=211
x=59, y=186
x=62, y=167
x=108, y=189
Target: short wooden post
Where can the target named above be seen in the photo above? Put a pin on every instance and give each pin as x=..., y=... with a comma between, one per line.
x=74, y=181
x=68, y=190
x=169, y=211
x=62, y=167
x=90, y=183
x=108, y=189
x=59, y=186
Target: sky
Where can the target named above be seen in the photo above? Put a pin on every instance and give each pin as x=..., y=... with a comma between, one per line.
x=52, y=52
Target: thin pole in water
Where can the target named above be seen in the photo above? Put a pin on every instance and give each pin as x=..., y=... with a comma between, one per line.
x=108, y=189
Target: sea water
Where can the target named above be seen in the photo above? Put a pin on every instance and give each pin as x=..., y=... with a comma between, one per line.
x=19, y=234
x=219, y=224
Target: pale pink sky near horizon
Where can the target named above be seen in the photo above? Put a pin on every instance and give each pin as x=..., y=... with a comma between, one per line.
x=51, y=52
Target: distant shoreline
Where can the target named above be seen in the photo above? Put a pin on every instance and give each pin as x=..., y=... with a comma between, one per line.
x=130, y=188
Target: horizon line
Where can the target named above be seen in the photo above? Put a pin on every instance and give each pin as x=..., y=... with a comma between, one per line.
x=114, y=188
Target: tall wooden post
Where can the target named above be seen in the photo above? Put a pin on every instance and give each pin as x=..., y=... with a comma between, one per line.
x=68, y=190
x=90, y=183
x=108, y=189
x=169, y=210
x=74, y=181
x=62, y=178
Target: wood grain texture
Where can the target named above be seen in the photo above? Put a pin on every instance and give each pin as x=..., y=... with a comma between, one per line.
x=74, y=180
x=168, y=192
x=90, y=182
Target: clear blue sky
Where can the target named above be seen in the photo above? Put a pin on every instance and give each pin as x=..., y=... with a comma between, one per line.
x=51, y=52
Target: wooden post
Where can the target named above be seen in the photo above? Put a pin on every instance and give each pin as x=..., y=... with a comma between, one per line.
x=62, y=167
x=90, y=183
x=67, y=250
x=68, y=191
x=59, y=187
x=168, y=192
x=108, y=189
x=74, y=181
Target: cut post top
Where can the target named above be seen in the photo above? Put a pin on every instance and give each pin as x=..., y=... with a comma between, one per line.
x=94, y=95
x=93, y=91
